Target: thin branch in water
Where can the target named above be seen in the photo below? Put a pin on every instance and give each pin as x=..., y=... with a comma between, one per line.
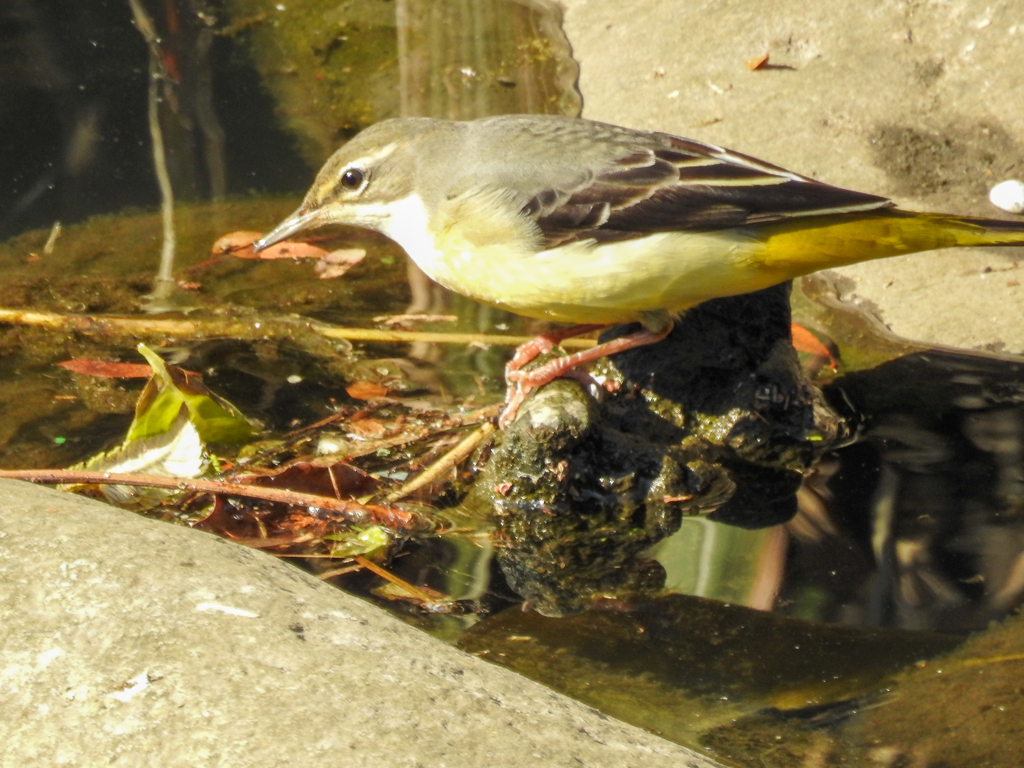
x=339, y=571
x=186, y=329
x=385, y=516
x=401, y=583
x=446, y=462
x=157, y=81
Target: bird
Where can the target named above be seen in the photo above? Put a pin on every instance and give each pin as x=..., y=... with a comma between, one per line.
x=583, y=222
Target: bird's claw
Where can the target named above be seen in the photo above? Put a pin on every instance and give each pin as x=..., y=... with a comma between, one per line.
x=514, y=397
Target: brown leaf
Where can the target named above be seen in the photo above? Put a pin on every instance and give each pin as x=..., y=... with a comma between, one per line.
x=337, y=263
x=335, y=479
x=235, y=241
x=367, y=428
x=805, y=341
x=290, y=250
x=366, y=390
x=240, y=245
x=226, y=519
x=107, y=368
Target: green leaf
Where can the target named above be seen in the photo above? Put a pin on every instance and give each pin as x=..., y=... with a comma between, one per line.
x=170, y=390
x=361, y=541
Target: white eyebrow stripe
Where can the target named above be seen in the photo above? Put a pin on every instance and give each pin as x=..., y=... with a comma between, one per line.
x=371, y=158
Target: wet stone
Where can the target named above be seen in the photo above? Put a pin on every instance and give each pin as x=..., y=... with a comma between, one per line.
x=718, y=420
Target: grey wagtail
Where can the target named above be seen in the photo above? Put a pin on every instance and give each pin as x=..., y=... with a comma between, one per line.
x=583, y=222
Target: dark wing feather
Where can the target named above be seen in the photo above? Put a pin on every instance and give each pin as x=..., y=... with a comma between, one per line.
x=670, y=184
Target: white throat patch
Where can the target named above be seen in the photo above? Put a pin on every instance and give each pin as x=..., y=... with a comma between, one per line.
x=406, y=222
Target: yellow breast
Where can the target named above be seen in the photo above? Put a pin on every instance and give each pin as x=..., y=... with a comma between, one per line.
x=477, y=249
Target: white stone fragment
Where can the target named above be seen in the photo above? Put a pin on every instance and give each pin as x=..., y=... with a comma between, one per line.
x=228, y=609
x=1008, y=195
x=136, y=685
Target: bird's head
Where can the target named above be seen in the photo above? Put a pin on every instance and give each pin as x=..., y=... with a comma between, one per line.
x=362, y=183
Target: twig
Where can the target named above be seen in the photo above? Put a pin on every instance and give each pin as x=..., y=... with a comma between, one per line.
x=399, y=582
x=102, y=325
x=339, y=571
x=51, y=241
x=383, y=515
x=446, y=462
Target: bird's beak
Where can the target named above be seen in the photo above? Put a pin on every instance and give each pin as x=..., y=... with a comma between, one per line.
x=298, y=221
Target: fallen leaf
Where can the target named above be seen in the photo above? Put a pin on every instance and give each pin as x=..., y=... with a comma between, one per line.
x=367, y=428
x=169, y=390
x=240, y=245
x=290, y=250
x=107, y=368
x=756, y=62
x=805, y=341
x=235, y=241
x=337, y=263
x=366, y=390
x=331, y=478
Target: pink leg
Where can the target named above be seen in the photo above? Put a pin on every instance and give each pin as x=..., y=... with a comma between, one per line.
x=521, y=383
x=544, y=343
x=523, y=355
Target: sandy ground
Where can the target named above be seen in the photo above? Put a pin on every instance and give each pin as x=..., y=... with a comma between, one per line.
x=918, y=100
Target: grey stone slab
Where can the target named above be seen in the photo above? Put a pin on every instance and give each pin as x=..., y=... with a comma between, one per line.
x=129, y=642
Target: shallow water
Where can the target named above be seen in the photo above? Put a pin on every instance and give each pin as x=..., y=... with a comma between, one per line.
x=906, y=541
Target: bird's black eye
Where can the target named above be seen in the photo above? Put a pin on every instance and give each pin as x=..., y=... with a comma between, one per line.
x=352, y=178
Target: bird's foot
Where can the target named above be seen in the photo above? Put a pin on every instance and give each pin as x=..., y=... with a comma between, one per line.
x=521, y=382
x=543, y=343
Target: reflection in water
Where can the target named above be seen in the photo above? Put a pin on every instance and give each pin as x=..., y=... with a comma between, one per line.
x=73, y=111
x=695, y=664
x=943, y=435
x=334, y=67
x=918, y=524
